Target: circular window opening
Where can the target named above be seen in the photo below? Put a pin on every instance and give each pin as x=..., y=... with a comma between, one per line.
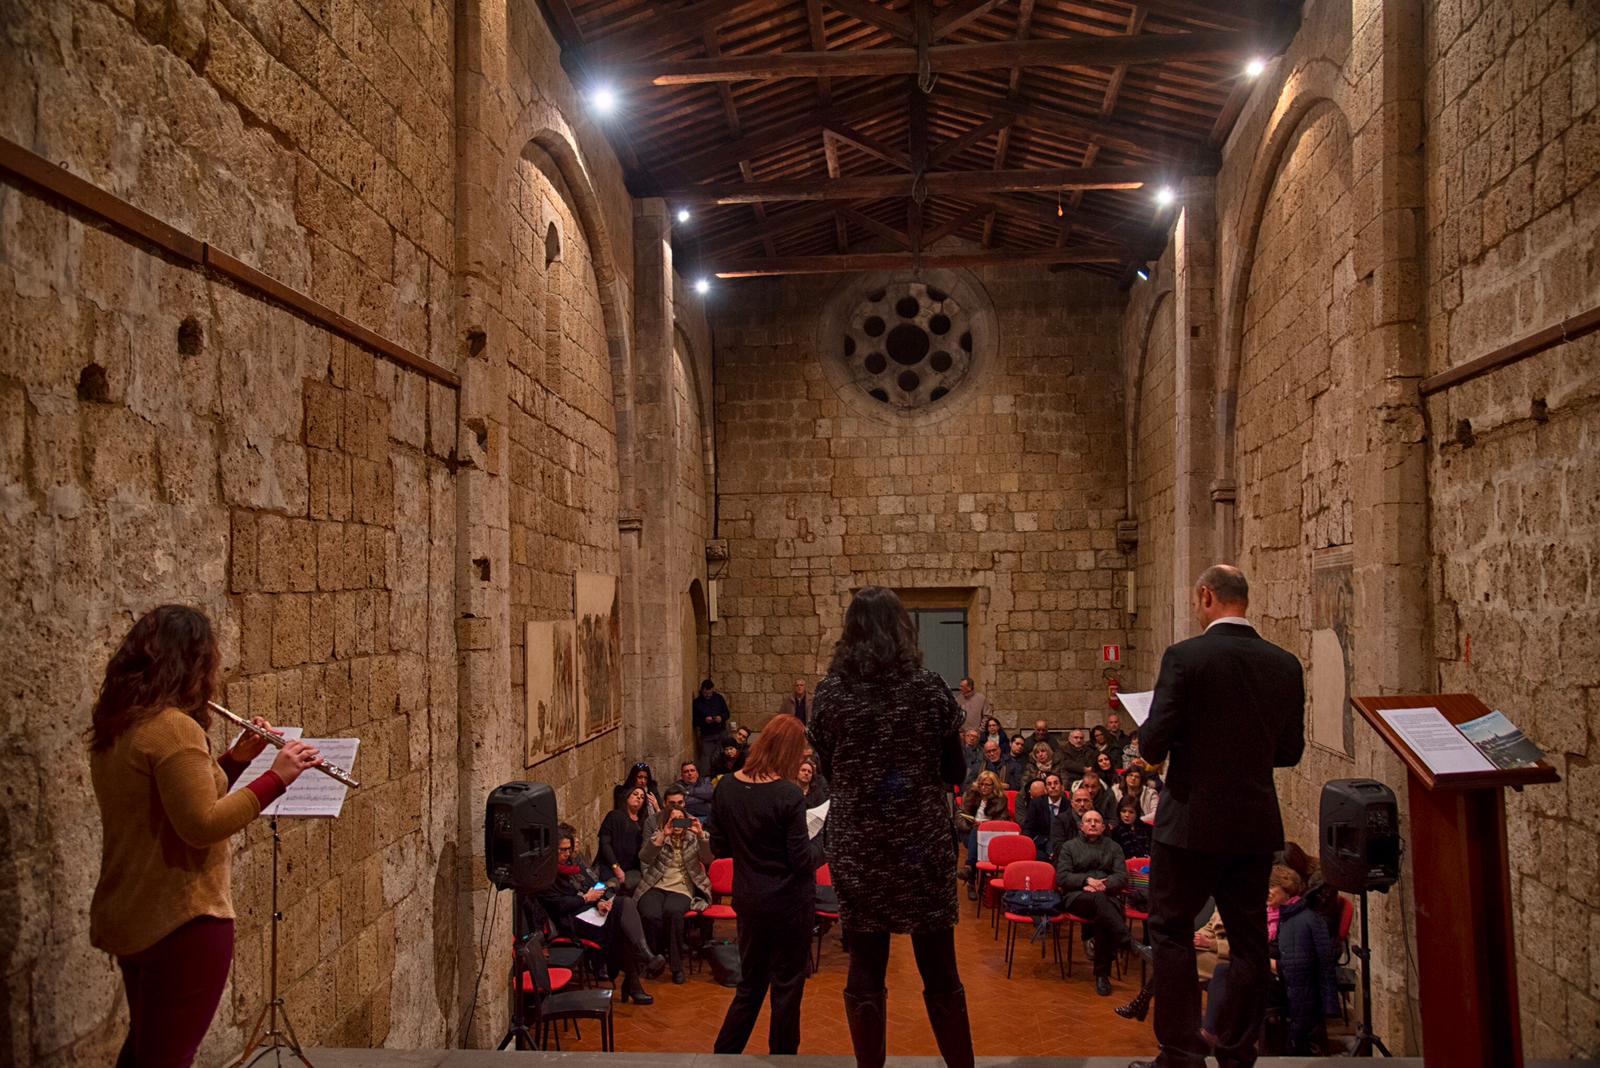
x=879, y=395
x=907, y=307
x=939, y=324
x=876, y=364
x=873, y=326
x=909, y=381
x=941, y=361
x=907, y=344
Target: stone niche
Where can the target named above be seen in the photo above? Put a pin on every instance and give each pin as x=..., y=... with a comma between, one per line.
x=908, y=350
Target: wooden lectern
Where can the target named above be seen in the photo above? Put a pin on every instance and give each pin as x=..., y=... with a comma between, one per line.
x=1462, y=889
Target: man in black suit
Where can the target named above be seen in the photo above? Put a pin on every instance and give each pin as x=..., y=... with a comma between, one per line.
x=1228, y=708
x=1042, y=812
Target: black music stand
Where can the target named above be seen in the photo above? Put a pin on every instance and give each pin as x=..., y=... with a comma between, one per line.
x=266, y=1033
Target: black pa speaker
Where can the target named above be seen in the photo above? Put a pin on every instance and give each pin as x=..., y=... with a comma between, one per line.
x=519, y=837
x=1360, y=835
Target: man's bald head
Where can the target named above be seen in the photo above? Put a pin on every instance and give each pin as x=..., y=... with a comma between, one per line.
x=1220, y=591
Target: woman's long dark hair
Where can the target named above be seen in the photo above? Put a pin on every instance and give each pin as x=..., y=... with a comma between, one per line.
x=168, y=660
x=878, y=638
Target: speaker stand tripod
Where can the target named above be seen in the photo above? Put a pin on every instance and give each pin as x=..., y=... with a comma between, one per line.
x=517, y=1034
x=267, y=1033
x=1367, y=1041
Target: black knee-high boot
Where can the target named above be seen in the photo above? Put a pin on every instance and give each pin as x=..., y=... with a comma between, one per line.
x=952, y=1030
x=868, y=1027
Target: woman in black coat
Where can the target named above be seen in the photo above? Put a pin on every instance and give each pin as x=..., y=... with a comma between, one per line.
x=759, y=820
x=621, y=836
x=887, y=735
x=579, y=888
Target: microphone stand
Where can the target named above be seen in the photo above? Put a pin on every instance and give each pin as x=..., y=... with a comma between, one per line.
x=266, y=1032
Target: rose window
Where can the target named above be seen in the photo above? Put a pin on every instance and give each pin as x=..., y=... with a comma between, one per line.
x=908, y=345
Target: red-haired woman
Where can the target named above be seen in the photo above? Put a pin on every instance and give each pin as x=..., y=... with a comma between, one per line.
x=162, y=906
x=759, y=819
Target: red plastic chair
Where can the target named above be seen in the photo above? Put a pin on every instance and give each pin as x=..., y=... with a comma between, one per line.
x=1031, y=875
x=1138, y=866
x=1344, y=975
x=824, y=919
x=986, y=868
x=1004, y=850
x=1011, y=803
x=721, y=872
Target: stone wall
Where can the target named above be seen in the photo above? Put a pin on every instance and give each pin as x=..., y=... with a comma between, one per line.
x=1404, y=192
x=1513, y=217
x=1008, y=504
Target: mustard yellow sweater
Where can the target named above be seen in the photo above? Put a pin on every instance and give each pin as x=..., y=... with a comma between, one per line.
x=167, y=818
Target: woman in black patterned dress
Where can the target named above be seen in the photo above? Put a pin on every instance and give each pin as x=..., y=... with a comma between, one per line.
x=886, y=733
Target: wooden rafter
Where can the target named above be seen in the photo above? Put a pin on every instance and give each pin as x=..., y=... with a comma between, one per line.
x=873, y=226
x=954, y=226
x=1083, y=51
x=960, y=13
x=847, y=134
x=952, y=183
x=873, y=15
x=1035, y=116
x=889, y=261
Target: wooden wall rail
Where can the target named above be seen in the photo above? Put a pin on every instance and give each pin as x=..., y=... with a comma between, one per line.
x=1548, y=338
x=37, y=171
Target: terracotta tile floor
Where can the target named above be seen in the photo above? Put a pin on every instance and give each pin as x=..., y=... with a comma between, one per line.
x=1034, y=1013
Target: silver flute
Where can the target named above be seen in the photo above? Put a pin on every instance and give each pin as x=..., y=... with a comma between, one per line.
x=333, y=771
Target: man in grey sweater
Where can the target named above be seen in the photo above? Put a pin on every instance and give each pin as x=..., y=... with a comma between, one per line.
x=1091, y=874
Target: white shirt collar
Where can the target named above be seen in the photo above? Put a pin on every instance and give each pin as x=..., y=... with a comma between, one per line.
x=1240, y=620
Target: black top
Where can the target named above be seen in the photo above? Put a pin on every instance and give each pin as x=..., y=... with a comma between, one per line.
x=620, y=839
x=881, y=743
x=1229, y=706
x=707, y=709
x=819, y=792
x=762, y=826
x=1037, y=819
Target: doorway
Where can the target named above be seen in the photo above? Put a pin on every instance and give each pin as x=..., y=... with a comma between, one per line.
x=942, y=636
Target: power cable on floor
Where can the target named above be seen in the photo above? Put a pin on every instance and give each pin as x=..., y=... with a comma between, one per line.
x=483, y=960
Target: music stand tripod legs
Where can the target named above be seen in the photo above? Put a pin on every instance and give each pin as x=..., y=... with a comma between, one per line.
x=266, y=1033
x=1367, y=1040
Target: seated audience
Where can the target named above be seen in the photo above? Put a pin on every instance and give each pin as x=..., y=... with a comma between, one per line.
x=972, y=751
x=1099, y=796
x=620, y=934
x=986, y=800
x=1134, y=788
x=993, y=732
x=741, y=738
x=1064, y=827
x=1018, y=750
x=639, y=775
x=1114, y=728
x=1091, y=876
x=1077, y=754
x=1041, y=733
x=673, y=880
x=1002, y=767
x=1321, y=898
x=1102, y=742
x=1042, y=763
x=1042, y=812
x=697, y=790
x=1110, y=772
x=812, y=783
x=1130, y=832
x=1210, y=949
x=622, y=836
x=1029, y=794
x=729, y=759
x=1130, y=749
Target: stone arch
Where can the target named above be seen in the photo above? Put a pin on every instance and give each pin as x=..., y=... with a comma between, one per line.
x=1136, y=389
x=1314, y=86
x=683, y=348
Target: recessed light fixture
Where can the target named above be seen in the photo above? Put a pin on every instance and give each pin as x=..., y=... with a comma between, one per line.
x=603, y=99
x=683, y=215
x=1256, y=67
x=702, y=286
x=1165, y=196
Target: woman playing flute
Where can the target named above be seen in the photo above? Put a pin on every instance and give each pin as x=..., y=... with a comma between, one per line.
x=163, y=906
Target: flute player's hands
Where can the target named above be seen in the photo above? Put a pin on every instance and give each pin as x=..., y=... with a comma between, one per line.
x=249, y=746
x=294, y=758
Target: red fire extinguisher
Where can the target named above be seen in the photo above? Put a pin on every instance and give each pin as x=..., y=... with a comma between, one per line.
x=1112, y=684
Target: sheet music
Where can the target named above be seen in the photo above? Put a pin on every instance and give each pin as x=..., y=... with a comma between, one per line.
x=1137, y=704
x=1436, y=740
x=313, y=794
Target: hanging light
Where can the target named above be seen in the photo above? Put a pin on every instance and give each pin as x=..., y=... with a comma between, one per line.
x=702, y=286
x=1255, y=67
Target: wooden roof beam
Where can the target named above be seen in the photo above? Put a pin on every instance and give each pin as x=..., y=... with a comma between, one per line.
x=960, y=13
x=956, y=225
x=873, y=226
x=891, y=261
x=666, y=27
x=1081, y=51
x=1033, y=116
x=802, y=127
x=978, y=133
x=939, y=183
x=849, y=135
x=873, y=15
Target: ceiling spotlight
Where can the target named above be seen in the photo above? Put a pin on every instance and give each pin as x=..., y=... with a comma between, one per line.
x=1165, y=196
x=683, y=215
x=604, y=100
x=1143, y=273
x=702, y=286
x=1256, y=67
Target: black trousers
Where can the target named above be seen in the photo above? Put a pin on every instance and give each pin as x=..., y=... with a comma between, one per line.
x=622, y=936
x=775, y=952
x=1106, y=923
x=662, y=912
x=1180, y=882
x=869, y=961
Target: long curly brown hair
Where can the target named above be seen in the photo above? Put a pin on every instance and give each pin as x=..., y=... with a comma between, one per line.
x=169, y=659
x=879, y=639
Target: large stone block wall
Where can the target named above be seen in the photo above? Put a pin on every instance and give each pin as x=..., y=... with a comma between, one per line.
x=1513, y=225
x=1016, y=495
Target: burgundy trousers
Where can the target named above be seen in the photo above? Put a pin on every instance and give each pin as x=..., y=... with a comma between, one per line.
x=173, y=990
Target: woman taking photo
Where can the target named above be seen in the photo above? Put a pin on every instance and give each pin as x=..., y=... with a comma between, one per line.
x=759, y=819
x=622, y=836
x=886, y=735
x=163, y=906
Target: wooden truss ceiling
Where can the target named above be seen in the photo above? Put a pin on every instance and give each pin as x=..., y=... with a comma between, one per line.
x=809, y=136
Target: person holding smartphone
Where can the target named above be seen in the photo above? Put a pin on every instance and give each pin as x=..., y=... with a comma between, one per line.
x=577, y=889
x=673, y=876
